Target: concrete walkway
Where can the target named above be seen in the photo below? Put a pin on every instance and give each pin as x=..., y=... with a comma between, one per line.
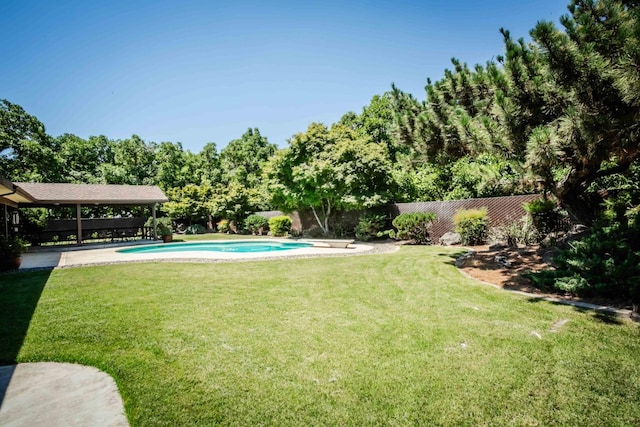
x=58, y=395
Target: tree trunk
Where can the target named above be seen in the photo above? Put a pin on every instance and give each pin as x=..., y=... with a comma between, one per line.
x=572, y=193
x=324, y=222
x=315, y=214
x=326, y=218
x=582, y=207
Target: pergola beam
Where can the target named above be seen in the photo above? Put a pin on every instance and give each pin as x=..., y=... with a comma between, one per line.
x=155, y=221
x=79, y=224
x=8, y=202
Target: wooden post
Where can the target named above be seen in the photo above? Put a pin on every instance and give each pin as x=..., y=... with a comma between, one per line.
x=6, y=222
x=155, y=222
x=79, y=223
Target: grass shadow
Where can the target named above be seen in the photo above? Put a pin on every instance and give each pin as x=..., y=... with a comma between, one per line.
x=603, y=315
x=452, y=257
x=20, y=295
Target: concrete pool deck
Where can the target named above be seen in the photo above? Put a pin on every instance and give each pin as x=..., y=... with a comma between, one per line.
x=78, y=256
x=59, y=394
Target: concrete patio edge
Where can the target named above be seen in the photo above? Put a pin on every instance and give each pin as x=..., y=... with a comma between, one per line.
x=59, y=394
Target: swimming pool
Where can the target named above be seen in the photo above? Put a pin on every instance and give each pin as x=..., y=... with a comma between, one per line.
x=240, y=246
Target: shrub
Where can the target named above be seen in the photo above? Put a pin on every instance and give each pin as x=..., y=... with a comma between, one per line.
x=256, y=224
x=164, y=226
x=223, y=226
x=164, y=230
x=521, y=231
x=10, y=249
x=471, y=225
x=413, y=226
x=606, y=263
x=369, y=225
x=314, y=232
x=195, y=229
x=544, y=214
x=280, y=225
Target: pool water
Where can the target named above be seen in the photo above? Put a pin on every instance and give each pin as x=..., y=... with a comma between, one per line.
x=236, y=246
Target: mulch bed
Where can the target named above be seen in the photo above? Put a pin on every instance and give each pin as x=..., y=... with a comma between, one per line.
x=482, y=265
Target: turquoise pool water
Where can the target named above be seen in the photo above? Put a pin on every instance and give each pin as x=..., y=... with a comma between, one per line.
x=235, y=246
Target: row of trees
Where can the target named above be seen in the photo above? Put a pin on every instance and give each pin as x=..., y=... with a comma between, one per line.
x=560, y=114
x=355, y=163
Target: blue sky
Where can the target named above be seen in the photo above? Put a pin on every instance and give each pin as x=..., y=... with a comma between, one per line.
x=205, y=71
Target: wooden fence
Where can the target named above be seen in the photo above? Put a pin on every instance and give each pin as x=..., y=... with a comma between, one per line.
x=110, y=229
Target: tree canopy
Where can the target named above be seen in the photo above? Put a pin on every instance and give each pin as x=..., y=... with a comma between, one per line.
x=328, y=169
x=563, y=109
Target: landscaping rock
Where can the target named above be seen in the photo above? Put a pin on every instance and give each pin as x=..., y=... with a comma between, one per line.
x=547, y=257
x=450, y=238
x=502, y=260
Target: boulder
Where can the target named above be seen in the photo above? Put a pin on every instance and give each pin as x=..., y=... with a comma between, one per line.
x=450, y=238
x=502, y=260
x=547, y=256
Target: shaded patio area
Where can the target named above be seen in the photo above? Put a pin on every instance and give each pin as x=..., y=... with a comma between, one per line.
x=14, y=196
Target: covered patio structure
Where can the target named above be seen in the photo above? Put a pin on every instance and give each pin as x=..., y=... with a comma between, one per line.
x=29, y=194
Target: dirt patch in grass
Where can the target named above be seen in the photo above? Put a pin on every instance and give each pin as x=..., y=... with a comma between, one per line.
x=482, y=264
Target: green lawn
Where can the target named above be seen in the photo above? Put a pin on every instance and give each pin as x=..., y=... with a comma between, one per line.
x=392, y=339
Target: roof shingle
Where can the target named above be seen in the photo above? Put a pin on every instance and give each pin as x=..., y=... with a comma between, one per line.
x=110, y=194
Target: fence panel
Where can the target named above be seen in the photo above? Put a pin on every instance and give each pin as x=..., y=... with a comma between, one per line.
x=501, y=210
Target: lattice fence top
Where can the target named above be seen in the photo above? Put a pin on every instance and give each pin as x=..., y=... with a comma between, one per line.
x=501, y=210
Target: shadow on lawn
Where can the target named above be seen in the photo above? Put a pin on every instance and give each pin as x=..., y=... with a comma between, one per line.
x=604, y=314
x=20, y=293
x=452, y=257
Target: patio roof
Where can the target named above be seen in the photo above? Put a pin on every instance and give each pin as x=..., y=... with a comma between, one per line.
x=31, y=194
x=11, y=195
x=85, y=194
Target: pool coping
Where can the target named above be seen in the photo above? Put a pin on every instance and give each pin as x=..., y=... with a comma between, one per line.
x=78, y=257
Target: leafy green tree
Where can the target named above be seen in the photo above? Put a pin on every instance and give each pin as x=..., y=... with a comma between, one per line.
x=327, y=170
x=172, y=167
x=134, y=163
x=242, y=159
x=377, y=123
x=420, y=184
x=81, y=158
x=232, y=201
x=206, y=164
x=27, y=153
x=188, y=203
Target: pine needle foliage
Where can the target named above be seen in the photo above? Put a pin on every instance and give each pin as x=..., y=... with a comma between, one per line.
x=564, y=108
